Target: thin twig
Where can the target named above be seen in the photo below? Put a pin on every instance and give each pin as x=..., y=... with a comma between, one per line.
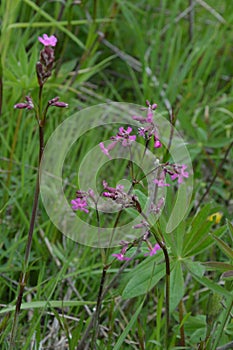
x=191, y=19
x=23, y=278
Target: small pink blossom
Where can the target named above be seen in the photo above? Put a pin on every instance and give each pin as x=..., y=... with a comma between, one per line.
x=107, y=149
x=48, y=40
x=154, y=250
x=124, y=136
x=121, y=257
x=180, y=173
x=153, y=106
x=160, y=183
x=157, y=144
x=80, y=204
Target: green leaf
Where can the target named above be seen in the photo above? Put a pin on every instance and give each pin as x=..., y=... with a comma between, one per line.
x=124, y=334
x=52, y=303
x=176, y=285
x=212, y=286
x=218, y=142
x=216, y=265
x=198, y=229
x=144, y=277
x=230, y=228
x=224, y=247
x=194, y=267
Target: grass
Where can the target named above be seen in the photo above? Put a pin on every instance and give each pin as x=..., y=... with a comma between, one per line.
x=124, y=52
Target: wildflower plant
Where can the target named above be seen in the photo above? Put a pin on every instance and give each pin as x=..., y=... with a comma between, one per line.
x=136, y=212
x=44, y=68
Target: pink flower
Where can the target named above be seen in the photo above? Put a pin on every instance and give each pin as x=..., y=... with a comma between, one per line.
x=153, y=106
x=106, y=150
x=48, y=40
x=80, y=204
x=180, y=173
x=121, y=257
x=154, y=250
x=124, y=136
x=157, y=143
x=160, y=181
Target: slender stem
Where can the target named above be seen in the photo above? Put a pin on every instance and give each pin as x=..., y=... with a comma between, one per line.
x=23, y=278
x=167, y=293
x=98, y=307
x=191, y=20
x=1, y=85
x=159, y=238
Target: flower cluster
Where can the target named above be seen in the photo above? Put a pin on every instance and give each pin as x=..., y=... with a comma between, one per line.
x=45, y=65
x=150, y=130
x=178, y=172
x=81, y=200
x=122, y=257
x=175, y=171
x=44, y=70
x=123, y=136
x=120, y=197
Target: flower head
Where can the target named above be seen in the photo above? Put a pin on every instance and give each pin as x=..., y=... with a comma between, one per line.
x=160, y=182
x=80, y=204
x=216, y=217
x=124, y=136
x=180, y=173
x=48, y=40
x=150, y=130
x=154, y=250
x=121, y=256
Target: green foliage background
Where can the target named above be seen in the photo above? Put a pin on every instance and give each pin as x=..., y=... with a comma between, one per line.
x=163, y=51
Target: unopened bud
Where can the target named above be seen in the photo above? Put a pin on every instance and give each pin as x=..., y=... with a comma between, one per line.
x=55, y=102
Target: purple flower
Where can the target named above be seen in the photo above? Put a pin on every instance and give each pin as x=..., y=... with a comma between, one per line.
x=180, y=173
x=151, y=107
x=80, y=204
x=154, y=250
x=150, y=130
x=157, y=144
x=124, y=136
x=160, y=183
x=106, y=150
x=48, y=40
x=121, y=257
